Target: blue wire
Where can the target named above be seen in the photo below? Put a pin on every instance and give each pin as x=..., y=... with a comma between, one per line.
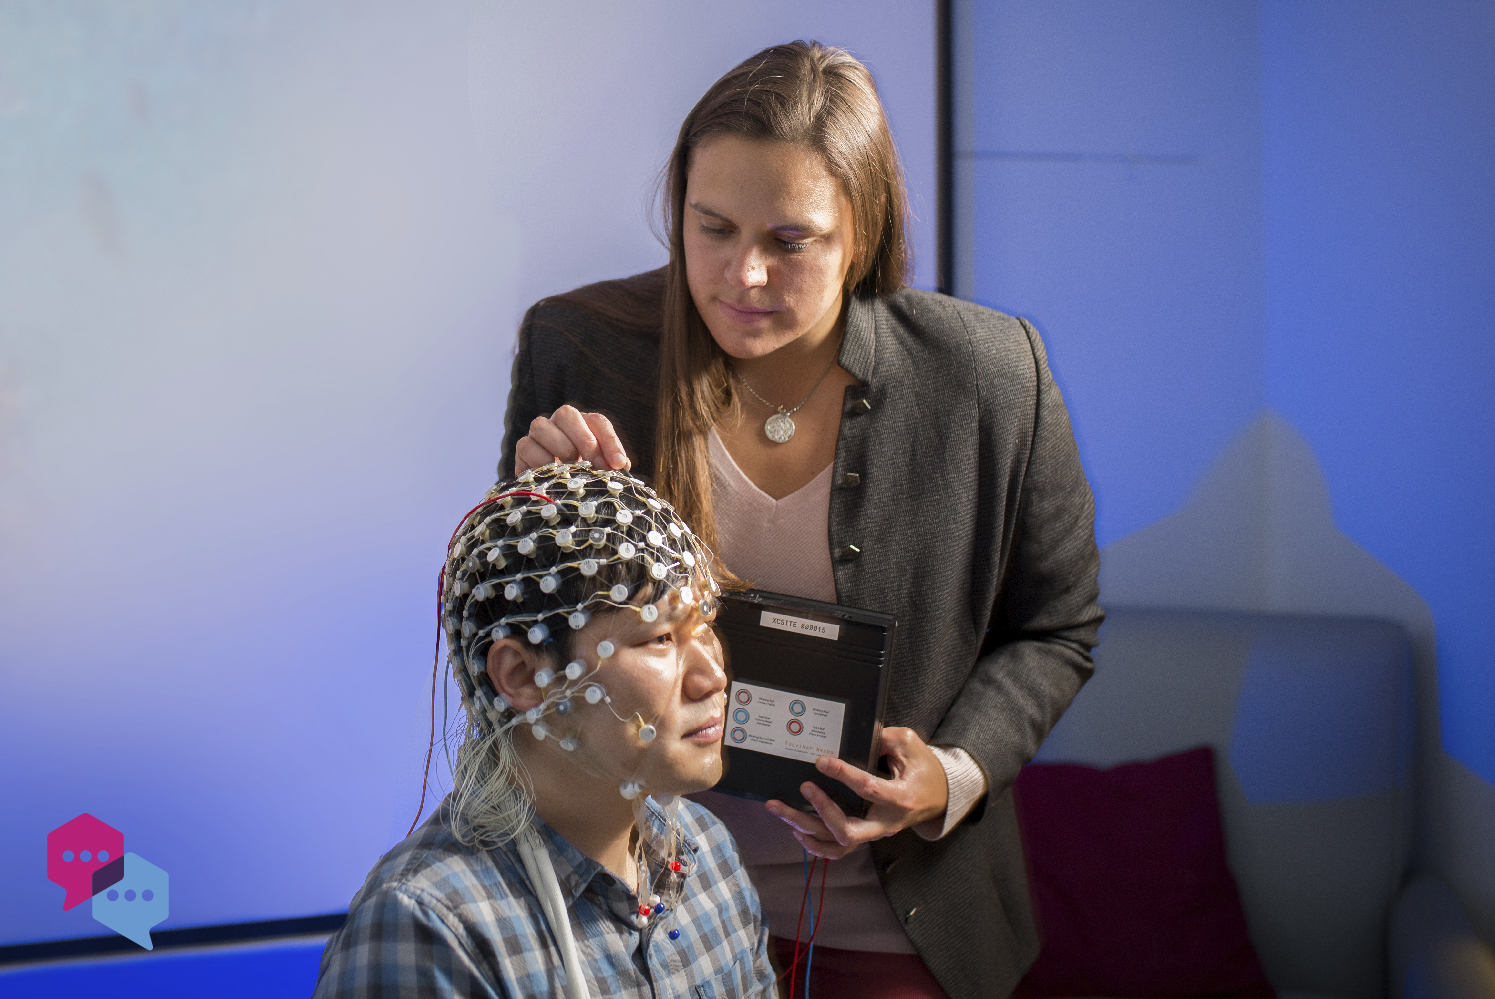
x=810, y=957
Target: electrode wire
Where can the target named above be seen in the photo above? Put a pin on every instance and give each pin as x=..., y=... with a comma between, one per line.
x=436, y=655
x=798, y=923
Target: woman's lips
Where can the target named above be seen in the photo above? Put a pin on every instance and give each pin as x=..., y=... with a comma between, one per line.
x=745, y=313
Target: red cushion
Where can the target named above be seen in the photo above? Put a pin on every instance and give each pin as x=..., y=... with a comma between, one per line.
x=1129, y=883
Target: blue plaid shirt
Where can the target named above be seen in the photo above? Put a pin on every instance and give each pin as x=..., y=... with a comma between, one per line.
x=436, y=918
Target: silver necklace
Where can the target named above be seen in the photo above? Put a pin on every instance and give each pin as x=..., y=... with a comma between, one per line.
x=779, y=428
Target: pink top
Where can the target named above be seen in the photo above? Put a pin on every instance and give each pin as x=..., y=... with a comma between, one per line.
x=782, y=546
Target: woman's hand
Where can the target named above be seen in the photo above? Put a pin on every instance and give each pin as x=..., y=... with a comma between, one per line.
x=568, y=434
x=917, y=793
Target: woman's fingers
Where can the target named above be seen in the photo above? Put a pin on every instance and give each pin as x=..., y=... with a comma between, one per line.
x=528, y=454
x=882, y=820
x=568, y=434
x=811, y=832
x=794, y=818
x=895, y=805
x=919, y=788
x=801, y=822
x=827, y=848
x=830, y=813
x=899, y=745
x=867, y=786
x=578, y=436
x=608, y=442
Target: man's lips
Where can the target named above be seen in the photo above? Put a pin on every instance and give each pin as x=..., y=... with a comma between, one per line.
x=709, y=732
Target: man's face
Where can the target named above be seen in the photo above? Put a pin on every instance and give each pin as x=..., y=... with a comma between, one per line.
x=669, y=673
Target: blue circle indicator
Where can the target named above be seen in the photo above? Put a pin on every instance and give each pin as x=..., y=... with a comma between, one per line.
x=740, y=716
x=796, y=708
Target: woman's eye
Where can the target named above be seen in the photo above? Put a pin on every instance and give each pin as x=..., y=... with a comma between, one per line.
x=793, y=247
x=665, y=639
x=708, y=230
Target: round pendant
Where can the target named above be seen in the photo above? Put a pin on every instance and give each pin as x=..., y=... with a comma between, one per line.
x=779, y=427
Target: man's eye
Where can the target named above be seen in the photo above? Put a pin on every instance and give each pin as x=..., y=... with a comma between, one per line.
x=665, y=639
x=708, y=230
x=793, y=247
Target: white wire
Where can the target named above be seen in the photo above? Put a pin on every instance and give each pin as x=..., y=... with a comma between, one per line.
x=542, y=876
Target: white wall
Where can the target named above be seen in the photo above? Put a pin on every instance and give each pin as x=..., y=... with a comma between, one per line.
x=260, y=266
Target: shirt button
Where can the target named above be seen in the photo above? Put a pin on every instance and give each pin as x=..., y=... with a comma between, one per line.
x=851, y=480
x=850, y=553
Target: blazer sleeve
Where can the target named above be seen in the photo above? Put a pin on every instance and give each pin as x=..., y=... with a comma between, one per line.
x=1045, y=619
x=523, y=402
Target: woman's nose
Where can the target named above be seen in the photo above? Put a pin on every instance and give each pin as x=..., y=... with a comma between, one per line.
x=748, y=269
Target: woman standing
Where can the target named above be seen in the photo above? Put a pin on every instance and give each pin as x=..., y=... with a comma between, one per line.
x=833, y=434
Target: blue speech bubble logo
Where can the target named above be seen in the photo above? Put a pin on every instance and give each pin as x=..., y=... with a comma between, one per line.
x=135, y=903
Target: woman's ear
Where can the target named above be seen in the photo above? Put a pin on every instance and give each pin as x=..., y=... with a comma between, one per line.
x=511, y=670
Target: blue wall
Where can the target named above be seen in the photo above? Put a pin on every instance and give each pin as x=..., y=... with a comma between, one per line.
x=1114, y=156
x=1239, y=223
x=1379, y=180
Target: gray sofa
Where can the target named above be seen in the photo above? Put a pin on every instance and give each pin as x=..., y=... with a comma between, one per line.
x=1312, y=722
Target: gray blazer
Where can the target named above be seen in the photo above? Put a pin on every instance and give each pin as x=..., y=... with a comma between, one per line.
x=960, y=507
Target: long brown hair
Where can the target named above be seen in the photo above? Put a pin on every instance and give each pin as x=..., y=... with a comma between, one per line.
x=811, y=95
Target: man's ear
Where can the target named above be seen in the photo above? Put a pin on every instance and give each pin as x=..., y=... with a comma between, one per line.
x=511, y=669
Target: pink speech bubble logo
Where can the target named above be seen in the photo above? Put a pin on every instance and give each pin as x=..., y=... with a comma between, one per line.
x=75, y=850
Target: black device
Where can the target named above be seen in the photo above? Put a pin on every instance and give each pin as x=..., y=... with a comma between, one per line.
x=808, y=678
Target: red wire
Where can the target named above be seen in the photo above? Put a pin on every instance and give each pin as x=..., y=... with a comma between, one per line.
x=810, y=947
x=436, y=655
x=793, y=971
x=798, y=923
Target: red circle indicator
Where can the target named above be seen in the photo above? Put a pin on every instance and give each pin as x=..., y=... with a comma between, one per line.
x=795, y=726
x=744, y=696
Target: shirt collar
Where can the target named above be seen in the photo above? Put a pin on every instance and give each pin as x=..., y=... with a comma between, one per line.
x=859, y=340
x=575, y=870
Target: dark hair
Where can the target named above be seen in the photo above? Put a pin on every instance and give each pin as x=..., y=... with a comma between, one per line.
x=563, y=536
x=807, y=94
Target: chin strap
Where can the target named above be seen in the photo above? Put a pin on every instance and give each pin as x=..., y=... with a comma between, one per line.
x=542, y=876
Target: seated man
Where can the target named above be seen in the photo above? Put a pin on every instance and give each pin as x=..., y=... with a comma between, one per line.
x=577, y=611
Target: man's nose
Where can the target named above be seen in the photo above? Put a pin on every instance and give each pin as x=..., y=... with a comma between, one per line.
x=704, y=674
